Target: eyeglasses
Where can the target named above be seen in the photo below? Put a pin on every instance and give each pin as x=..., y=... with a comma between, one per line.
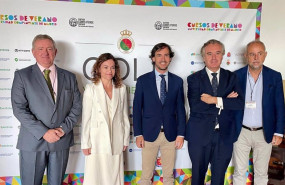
x=259, y=54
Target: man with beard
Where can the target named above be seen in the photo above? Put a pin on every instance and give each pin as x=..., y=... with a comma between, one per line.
x=261, y=124
x=159, y=115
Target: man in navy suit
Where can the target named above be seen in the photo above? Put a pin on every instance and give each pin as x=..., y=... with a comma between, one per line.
x=261, y=124
x=159, y=115
x=213, y=95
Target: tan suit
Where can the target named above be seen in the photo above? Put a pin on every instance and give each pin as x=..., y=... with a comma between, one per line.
x=105, y=133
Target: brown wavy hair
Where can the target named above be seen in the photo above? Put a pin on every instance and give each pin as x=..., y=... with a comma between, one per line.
x=96, y=75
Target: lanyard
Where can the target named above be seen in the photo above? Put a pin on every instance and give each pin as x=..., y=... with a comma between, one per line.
x=252, y=87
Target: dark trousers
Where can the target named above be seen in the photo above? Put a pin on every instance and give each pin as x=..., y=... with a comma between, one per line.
x=216, y=153
x=33, y=164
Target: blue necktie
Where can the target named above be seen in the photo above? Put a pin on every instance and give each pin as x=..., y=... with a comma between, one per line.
x=162, y=89
x=215, y=83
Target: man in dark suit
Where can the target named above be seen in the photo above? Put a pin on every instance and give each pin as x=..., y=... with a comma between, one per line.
x=261, y=124
x=47, y=102
x=159, y=115
x=213, y=95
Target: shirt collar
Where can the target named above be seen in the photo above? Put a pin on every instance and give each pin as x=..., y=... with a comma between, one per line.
x=209, y=72
x=51, y=68
x=157, y=73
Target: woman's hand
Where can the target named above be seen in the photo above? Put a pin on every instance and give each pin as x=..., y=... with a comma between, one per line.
x=86, y=151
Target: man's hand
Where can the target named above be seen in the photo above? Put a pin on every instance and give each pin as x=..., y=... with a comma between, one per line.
x=179, y=142
x=233, y=95
x=140, y=141
x=276, y=140
x=86, y=151
x=61, y=132
x=209, y=99
x=52, y=135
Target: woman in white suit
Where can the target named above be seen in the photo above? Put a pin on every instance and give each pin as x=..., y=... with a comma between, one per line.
x=105, y=124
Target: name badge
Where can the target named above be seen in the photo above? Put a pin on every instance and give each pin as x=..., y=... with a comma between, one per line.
x=250, y=105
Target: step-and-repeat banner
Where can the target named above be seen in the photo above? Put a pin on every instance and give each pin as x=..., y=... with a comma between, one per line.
x=83, y=31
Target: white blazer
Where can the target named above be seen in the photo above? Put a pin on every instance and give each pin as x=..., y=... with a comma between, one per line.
x=96, y=132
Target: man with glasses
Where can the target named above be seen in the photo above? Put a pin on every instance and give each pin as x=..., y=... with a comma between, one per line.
x=261, y=124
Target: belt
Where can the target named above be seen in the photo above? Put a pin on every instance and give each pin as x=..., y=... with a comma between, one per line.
x=161, y=130
x=252, y=129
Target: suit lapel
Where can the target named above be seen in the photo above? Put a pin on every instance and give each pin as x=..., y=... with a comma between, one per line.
x=243, y=79
x=266, y=86
x=41, y=80
x=100, y=92
x=170, y=88
x=206, y=82
x=115, y=100
x=222, y=82
x=60, y=82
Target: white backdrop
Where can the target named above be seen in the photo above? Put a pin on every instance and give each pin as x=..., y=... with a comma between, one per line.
x=83, y=31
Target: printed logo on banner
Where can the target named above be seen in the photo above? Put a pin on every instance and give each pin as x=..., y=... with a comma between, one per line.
x=5, y=117
x=242, y=62
x=134, y=149
x=5, y=70
x=5, y=79
x=28, y=20
x=6, y=146
x=81, y=22
x=5, y=89
x=158, y=162
x=228, y=62
x=4, y=50
x=6, y=127
x=4, y=59
x=214, y=26
x=5, y=154
x=239, y=54
x=22, y=50
x=229, y=54
x=193, y=62
x=125, y=43
x=22, y=60
x=5, y=108
x=165, y=25
x=6, y=135
x=195, y=54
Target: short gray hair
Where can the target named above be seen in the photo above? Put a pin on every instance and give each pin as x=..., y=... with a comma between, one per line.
x=212, y=41
x=42, y=37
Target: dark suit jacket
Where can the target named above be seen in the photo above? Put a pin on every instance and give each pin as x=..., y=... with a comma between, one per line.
x=272, y=102
x=149, y=113
x=34, y=108
x=201, y=123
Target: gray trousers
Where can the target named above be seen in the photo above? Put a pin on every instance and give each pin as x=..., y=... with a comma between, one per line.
x=33, y=164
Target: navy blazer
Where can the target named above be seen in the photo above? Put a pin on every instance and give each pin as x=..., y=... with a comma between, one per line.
x=272, y=102
x=149, y=113
x=201, y=124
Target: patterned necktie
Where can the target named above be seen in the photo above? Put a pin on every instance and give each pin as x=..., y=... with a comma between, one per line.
x=46, y=75
x=215, y=90
x=162, y=89
x=215, y=83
